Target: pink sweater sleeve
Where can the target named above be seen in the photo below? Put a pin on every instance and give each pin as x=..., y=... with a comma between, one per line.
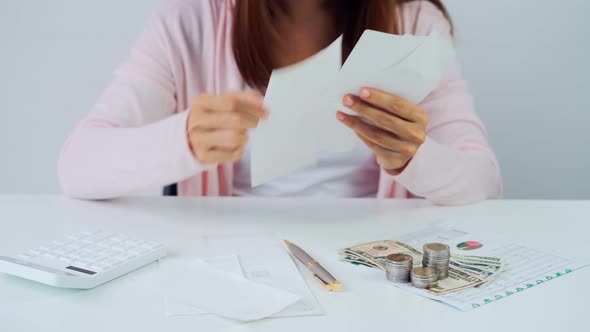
x=134, y=138
x=455, y=165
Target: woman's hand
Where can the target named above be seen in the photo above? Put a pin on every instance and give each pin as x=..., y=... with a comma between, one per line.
x=394, y=130
x=217, y=127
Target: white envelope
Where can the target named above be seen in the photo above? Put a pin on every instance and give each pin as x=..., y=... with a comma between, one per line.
x=169, y=267
x=279, y=145
x=303, y=98
x=200, y=285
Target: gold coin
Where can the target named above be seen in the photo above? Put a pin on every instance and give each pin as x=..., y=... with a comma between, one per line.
x=436, y=247
x=399, y=258
x=423, y=272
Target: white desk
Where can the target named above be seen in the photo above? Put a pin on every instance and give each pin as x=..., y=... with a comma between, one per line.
x=133, y=303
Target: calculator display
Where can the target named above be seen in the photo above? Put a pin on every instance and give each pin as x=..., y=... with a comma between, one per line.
x=79, y=269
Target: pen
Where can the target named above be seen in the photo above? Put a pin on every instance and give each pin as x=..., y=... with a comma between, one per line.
x=318, y=271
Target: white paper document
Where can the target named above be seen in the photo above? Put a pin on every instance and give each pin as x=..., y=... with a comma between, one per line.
x=303, y=98
x=169, y=269
x=526, y=266
x=199, y=284
x=264, y=260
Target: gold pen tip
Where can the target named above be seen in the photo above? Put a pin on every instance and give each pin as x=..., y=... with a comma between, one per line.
x=336, y=286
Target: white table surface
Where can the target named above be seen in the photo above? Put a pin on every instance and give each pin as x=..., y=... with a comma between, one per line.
x=321, y=226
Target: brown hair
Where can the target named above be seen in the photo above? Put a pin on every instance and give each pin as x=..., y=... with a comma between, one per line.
x=254, y=29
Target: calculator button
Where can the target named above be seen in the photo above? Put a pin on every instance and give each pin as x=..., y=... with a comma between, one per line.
x=109, y=252
x=96, y=237
x=104, y=234
x=80, y=263
x=138, y=250
x=112, y=262
x=132, y=243
x=104, y=266
x=118, y=238
x=86, y=262
x=96, y=268
x=25, y=256
x=74, y=246
x=98, y=258
x=84, y=255
x=93, y=249
x=69, y=256
x=106, y=243
x=153, y=245
x=126, y=256
x=146, y=245
x=119, y=248
x=104, y=253
x=87, y=240
x=90, y=258
x=65, y=259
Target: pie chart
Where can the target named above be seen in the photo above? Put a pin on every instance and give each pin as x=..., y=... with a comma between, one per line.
x=469, y=245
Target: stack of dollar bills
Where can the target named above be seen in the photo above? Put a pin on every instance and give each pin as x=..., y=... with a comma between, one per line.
x=464, y=271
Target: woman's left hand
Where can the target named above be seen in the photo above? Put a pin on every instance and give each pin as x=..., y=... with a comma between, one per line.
x=396, y=128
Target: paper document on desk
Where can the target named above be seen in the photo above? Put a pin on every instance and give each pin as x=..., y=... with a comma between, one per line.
x=169, y=267
x=198, y=284
x=519, y=267
x=526, y=266
x=464, y=271
x=264, y=260
x=303, y=98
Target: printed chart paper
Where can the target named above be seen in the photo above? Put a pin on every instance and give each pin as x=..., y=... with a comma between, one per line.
x=527, y=267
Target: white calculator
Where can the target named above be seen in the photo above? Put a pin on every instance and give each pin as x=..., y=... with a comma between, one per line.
x=83, y=261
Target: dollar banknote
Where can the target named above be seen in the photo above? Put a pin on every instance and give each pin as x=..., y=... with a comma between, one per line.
x=464, y=271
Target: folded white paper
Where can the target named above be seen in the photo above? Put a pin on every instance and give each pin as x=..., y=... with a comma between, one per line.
x=303, y=98
x=281, y=144
x=179, y=306
x=265, y=260
x=222, y=293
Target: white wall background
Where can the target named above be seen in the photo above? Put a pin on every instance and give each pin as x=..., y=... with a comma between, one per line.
x=529, y=66
x=527, y=60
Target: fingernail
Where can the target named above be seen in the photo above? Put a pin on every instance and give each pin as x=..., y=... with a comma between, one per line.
x=348, y=101
x=340, y=116
x=365, y=93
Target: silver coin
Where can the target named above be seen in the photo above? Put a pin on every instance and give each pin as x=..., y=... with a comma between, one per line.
x=397, y=268
x=423, y=277
x=437, y=256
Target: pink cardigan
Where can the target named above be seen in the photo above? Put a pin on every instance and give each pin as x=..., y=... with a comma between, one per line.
x=134, y=138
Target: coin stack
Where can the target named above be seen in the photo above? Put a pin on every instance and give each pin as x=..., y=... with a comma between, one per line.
x=423, y=277
x=397, y=268
x=437, y=257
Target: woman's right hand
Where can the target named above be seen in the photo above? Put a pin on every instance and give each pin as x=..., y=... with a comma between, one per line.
x=217, y=127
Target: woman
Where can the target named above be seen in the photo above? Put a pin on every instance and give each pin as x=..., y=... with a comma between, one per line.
x=180, y=109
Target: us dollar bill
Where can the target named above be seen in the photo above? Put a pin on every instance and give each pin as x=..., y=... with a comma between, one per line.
x=464, y=271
